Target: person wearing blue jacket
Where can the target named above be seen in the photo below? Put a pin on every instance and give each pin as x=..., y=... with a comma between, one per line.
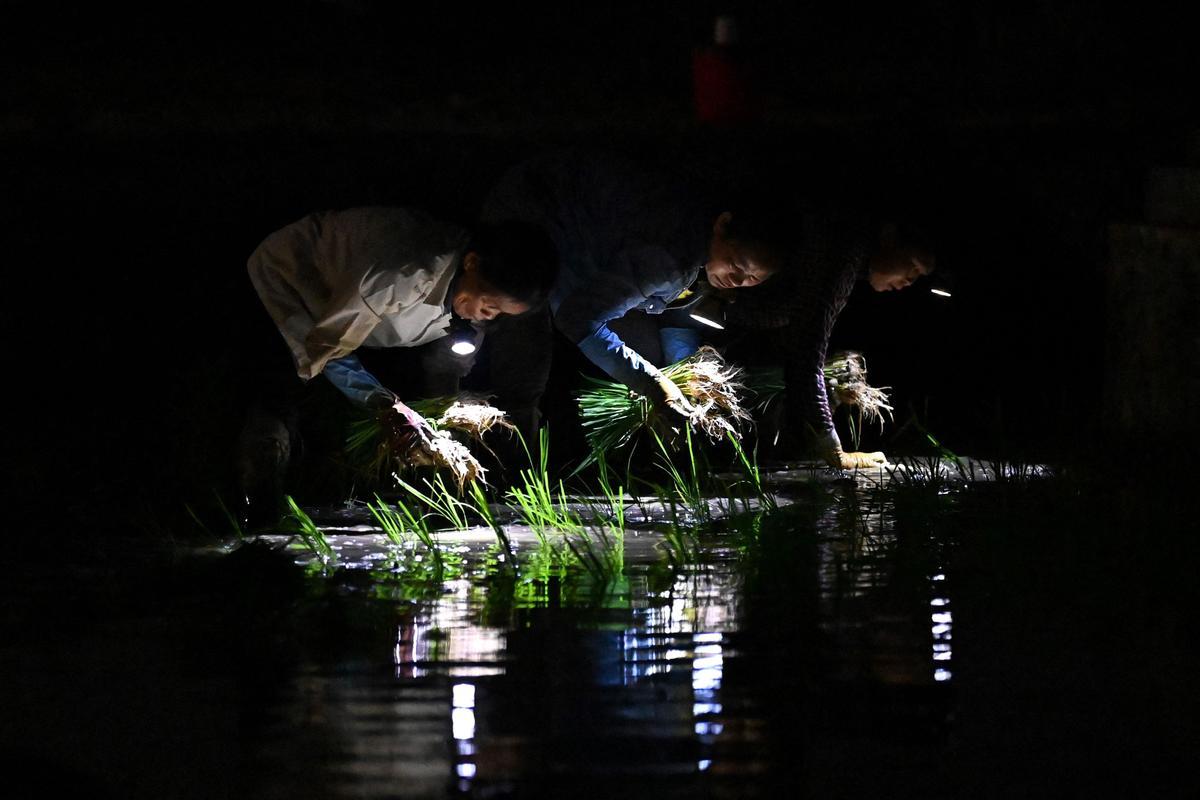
x=630, y=241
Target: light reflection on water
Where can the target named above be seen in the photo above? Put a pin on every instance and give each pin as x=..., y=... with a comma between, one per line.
x=446, y=633
x=942, y=620
x=636, y=685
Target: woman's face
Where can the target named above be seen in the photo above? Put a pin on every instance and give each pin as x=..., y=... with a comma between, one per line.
x=477, y=300
x=732, y=265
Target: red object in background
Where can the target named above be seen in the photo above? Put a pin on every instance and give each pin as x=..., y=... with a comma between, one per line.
x=722, y=80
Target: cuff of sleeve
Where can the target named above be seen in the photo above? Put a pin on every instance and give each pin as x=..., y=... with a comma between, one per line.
x=622, y=363
x=827, y=442
x=359, y=385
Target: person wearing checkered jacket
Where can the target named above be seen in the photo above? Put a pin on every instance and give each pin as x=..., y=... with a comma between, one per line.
x=800, y=311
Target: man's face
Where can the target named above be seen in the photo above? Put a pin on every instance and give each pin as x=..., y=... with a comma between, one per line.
x=898, y=269
x=732, y=265
x=477, y=300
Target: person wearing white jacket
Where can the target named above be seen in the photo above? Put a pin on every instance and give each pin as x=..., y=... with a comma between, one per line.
x=336, y=282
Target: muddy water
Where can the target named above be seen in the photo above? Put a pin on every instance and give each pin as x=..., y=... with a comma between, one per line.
x=805, y=630
x=812, y=651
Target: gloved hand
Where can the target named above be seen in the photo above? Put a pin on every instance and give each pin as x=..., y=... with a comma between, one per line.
x=674, y=409
x=405, y=428
x=855, y=460
x=831, y=450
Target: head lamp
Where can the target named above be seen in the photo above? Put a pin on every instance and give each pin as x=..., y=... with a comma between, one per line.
x=941, y=283
x=698, y=309
x=708, y=310
x=462, y=336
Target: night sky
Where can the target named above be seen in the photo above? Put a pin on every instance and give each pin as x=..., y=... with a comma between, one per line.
x=145, y=154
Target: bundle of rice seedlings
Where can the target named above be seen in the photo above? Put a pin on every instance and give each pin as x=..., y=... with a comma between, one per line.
x=713, y=389
x=473, y=416
x=380, y=445
x=845, y=383
x=612, y=413
x=442, y=450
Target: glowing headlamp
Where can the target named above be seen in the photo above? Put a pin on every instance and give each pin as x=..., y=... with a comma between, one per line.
x=462, y=336
x=698, y=308
x=941, y=283
x=708, y=310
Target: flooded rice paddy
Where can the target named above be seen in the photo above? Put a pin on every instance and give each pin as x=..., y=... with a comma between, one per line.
x=836, y=645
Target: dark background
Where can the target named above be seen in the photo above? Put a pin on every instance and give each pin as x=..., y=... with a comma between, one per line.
x=146, y=152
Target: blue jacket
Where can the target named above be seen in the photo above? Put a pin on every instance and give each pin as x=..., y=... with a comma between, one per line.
x=626, y=238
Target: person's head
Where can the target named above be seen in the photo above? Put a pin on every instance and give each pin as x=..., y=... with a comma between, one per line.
x=508, y=268
x=905, y=253
x=748, y=245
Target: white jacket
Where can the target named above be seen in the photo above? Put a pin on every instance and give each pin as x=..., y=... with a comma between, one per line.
x=337, y=280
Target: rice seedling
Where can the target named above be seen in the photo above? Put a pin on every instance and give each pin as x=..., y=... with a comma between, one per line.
x=845, y=384
x=598, y=546
x=615, y=498
x=935, y=467
x=440, y=500
x=766, y=500
x=601, y=547
x=239, y=533
x=541, y=504
x=543, y=510
x=443, y=569
x=308, y=535
x=397, y=520
x=484, y=509
x=612, y=414
x=687, y=485
x=471, y=414
x=680, y=546
x=378, y=445
x=600, y=550
x=541, y=578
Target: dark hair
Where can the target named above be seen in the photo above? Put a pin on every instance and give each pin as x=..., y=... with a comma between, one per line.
x=517, y=258
x=918, y=233
x=765, y=223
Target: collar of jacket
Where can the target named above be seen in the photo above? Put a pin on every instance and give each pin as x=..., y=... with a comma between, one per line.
x=441, y=293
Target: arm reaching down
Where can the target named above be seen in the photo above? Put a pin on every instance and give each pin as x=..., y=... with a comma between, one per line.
x=357, y=383
x=635, y=278
x=800, y=315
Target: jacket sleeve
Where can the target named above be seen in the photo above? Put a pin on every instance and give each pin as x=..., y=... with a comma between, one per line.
x=799, y=310
x=317, y=327
x=583, y=315
x=354, y=380
x=806, y=343
x=339, y=332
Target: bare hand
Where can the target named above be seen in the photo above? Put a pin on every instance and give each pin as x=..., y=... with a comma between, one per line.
x=673, y=407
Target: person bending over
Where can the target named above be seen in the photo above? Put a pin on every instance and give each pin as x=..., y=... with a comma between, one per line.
x=836, y=251
x=340, y=284
x=629, y=241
